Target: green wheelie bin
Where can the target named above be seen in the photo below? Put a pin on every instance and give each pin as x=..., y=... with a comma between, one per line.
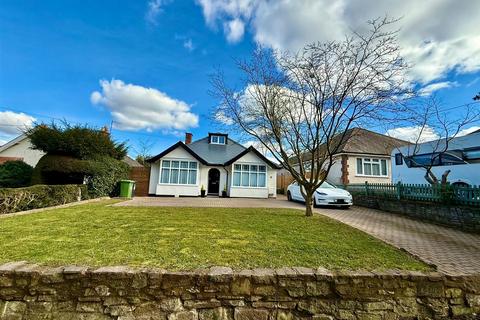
x=127, y=188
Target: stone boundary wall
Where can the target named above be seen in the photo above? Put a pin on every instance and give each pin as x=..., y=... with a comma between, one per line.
x=71, y=292
x=459, y=217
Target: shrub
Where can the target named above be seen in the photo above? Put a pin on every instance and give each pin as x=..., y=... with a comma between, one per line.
x=14, y=174
x=77, y=155
x=79, y=142
x=39, y=196
x=55, y=169
x=101, y=174
x=104, y=180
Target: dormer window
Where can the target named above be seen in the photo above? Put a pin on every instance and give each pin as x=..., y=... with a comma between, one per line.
x=218, y=138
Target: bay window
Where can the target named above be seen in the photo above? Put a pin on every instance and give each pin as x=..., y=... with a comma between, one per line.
x=249, y=175
x=372, y=167
x=179, y=172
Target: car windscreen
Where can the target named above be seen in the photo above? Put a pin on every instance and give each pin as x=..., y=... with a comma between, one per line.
x=327, y=185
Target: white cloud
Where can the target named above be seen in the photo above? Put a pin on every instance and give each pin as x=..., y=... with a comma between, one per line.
x=188, y=44
x=214, y=10
x=431, y=88
x=221, y=117
x=435, y=36
x=428, y=134
x=154, y=8
x=253, y=143
x=12, y=124
x=262, y=149
x=134, y=107
x=234, y=30
x=233, y=15
x=412, y=134
x=464, y=132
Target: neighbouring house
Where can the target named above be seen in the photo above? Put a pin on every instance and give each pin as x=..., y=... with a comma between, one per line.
x=20, y=148
x=215, y=162
x=461, y=156
x=365, y=156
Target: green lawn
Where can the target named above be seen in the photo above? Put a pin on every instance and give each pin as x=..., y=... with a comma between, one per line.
x=188, y=238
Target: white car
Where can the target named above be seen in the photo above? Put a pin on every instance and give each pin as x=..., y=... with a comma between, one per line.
x=326, y=195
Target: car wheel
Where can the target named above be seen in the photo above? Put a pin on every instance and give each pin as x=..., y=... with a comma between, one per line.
x=315, y=204
x=289, y=196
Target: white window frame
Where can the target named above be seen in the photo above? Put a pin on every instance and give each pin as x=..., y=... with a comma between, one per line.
x=218, y=139
x=369, y=160
x=179, y=168
x=258, y=164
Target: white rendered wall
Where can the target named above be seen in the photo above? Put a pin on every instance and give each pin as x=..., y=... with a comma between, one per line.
x=22, y=150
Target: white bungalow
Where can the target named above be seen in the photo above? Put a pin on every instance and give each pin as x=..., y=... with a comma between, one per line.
x=215, y=162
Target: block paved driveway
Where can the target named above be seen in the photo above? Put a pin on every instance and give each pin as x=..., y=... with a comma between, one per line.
x=452, y=251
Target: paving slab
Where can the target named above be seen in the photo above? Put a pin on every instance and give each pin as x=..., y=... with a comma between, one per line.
x=452, y=251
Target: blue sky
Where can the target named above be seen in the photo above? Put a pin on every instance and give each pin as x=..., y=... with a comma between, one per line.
x=155, y=57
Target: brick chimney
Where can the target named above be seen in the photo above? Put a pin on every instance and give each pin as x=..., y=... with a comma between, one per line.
x=105, y=131
x=188, y=138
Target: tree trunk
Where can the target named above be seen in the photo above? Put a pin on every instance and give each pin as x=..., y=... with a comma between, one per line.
x=430, y=177
x=308, y=204
x=445, y=177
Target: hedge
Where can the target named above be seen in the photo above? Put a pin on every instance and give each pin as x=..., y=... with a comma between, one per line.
x=39, y=196
x=104, y=181
x=15, y=174
x=100, y=174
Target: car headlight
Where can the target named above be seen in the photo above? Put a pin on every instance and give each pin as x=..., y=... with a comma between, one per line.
x=321, y=193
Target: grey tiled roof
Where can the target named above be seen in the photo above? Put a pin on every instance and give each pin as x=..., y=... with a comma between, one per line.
x=216, y=153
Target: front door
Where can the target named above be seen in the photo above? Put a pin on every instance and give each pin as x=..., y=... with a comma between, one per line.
x=213, y=181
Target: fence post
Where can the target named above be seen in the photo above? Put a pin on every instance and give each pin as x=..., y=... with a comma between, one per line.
x=447, y=193
x=399, y=190
x=366, y=188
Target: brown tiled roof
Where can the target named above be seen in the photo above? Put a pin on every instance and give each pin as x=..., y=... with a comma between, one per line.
x=358, y=140
x=131, y=162
x=5, y=159
x=362, y=141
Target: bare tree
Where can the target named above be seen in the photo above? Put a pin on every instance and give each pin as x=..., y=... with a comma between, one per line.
x=430, y=117
x=299, y=106
x=143, y=149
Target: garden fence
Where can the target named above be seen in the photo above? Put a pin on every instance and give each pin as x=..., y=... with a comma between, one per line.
x=460, y=195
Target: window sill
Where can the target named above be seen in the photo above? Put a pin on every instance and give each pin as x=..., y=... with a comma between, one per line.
x=178, y=184
x=240, y=187
x=370, y=176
